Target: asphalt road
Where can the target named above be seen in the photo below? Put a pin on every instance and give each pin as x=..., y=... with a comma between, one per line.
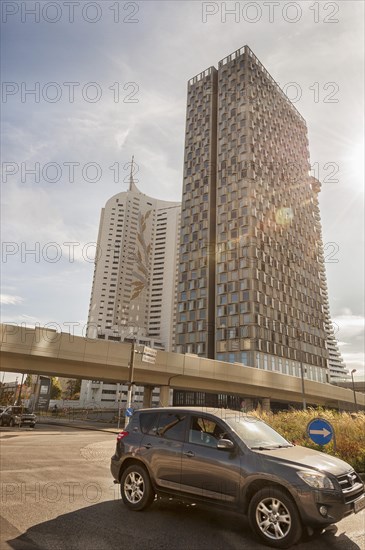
x=57, y=494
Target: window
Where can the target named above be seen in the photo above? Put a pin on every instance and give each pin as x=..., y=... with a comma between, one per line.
x=148, y=422
x=204, y=431
x=169, y=425
x=234, y=297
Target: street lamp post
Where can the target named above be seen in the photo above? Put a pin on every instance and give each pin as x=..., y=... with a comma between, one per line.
x=353, y=388
x=16, y=390
x=131, y=381
x=20, y=391
x=299, y=335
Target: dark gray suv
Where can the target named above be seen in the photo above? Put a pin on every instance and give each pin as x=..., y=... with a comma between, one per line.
x=17, y=416
x=230, y=459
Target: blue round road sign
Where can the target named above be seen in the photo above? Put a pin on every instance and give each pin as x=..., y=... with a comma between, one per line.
x=129, y=412
x=320, y=431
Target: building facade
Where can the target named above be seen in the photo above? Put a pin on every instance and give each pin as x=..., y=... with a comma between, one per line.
x=337, y=367
x=134, y=287
x=252, y=286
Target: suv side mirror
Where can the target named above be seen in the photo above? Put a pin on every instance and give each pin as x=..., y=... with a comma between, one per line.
x=225, y=444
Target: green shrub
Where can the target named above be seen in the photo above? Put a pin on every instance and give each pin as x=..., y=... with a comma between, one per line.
x=349, y=432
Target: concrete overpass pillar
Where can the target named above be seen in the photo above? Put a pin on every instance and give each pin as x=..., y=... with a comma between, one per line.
x=147, y=396
x=247, y=404
x=266, y=404
x=164, y=396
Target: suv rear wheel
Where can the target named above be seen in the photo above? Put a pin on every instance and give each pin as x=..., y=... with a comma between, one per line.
x=136, y=488
x=275, y=518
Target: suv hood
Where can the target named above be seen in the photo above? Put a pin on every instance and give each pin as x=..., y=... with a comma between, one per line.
x=308, y=458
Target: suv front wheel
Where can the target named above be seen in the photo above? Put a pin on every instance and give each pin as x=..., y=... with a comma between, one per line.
x=275, y=518
x=136, y=488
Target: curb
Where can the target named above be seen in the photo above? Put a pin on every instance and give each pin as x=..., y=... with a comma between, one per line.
x=79, y=427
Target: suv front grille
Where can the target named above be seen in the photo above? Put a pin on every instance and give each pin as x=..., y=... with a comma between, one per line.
x=351, y=486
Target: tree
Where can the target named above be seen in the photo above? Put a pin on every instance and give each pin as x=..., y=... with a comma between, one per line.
x=28, y=381
x=73, y=389
x=56, y=388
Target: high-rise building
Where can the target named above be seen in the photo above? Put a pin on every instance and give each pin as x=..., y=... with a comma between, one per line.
x=252, y=286
x=337, y=367
x=135, y=279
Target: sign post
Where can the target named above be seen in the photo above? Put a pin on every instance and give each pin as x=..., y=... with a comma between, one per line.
x=149, y=355
x=321, y=432
x=129, y=412
x=119, y=407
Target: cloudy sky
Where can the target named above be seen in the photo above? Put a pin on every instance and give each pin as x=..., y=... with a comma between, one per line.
x=109, y=81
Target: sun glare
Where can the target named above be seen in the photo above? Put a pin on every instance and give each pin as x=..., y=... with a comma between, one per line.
x=356, y=162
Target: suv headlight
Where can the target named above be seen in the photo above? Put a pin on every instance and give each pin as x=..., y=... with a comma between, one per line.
x=316, y=480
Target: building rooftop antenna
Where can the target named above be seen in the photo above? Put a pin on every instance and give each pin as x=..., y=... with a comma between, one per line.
x=131, y=182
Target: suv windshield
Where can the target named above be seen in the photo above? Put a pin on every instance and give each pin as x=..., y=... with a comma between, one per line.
x=256, y=434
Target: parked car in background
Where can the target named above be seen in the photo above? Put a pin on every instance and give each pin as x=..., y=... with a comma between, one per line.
x=229, y=459
x=17, y=416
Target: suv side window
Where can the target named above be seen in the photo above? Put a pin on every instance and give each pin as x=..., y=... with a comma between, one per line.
x=204, y=431
x=171, y=426
x=148, y=423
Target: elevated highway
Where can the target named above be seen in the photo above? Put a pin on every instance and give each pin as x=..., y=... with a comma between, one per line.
x=51, y=353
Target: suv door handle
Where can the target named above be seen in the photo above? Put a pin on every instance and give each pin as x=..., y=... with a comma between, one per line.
x=189, y=453
x=147, y=446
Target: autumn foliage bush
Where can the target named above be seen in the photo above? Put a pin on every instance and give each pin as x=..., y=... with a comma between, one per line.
x=349, y=432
